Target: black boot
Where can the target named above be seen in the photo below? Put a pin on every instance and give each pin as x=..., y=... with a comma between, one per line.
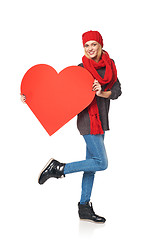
x=52, y=169
x=86, y=212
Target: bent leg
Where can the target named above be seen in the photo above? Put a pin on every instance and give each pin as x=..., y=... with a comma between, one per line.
x=98, y=158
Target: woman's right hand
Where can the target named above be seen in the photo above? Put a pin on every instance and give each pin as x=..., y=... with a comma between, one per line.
x=23, y=98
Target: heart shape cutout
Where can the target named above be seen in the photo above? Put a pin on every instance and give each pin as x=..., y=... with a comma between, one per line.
x=56, y=98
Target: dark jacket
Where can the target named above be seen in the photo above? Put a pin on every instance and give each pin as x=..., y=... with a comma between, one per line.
x=83, y=120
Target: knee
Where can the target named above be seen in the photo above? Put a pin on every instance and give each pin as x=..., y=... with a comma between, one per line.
x=89, y=174
x=102, y=164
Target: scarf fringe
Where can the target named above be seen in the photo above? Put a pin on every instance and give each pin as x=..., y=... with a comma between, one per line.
x=95, y=122
x=96, y=126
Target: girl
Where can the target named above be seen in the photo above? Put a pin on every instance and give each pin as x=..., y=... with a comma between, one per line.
x=92, y=123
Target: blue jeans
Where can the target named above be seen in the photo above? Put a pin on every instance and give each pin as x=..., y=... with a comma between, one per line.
x=96, y=160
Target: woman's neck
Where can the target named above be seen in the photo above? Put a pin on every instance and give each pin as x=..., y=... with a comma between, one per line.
x=96, y=59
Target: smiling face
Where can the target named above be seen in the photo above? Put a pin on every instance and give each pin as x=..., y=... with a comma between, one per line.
x=92, y=49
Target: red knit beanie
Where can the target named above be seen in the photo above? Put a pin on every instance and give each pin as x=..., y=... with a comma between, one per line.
x=92, y=35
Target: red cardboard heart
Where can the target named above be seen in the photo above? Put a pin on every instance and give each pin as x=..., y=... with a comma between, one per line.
x=57, y=98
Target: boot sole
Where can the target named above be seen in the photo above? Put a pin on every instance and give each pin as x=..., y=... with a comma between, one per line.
x=45, y=167
x=91, y=221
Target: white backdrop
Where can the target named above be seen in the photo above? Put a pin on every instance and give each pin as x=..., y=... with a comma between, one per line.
x=127, y=193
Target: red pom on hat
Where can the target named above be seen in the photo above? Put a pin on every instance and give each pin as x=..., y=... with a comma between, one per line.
x=92, y=35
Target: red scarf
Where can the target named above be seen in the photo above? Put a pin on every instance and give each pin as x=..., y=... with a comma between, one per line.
x=110, y=78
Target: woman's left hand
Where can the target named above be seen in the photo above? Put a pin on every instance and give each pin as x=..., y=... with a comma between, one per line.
x=97, y=87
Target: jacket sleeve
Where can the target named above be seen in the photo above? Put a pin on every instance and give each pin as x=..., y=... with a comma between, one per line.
x=116, y=90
